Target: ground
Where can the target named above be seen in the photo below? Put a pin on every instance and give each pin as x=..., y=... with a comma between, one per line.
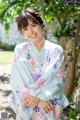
x=5, y=90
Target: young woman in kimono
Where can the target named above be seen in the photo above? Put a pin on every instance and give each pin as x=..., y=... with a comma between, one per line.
x=37, y=73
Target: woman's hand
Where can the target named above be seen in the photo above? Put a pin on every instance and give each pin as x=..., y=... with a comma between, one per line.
x=30, y=101
x=45, y=106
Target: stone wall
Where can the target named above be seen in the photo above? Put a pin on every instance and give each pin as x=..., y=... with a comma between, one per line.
x=14, y=37
x=67, y=44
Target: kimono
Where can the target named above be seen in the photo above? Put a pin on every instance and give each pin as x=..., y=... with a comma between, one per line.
x=37, y=73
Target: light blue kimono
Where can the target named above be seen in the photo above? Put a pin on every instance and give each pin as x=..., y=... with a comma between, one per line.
x=38, y=73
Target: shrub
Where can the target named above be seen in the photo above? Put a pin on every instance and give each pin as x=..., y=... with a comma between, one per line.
x=6, y=46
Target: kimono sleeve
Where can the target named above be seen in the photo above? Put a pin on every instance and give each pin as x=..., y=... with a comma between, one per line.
x=16, y=83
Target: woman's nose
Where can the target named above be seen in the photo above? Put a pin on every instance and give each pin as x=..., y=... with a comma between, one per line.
x=30, y=31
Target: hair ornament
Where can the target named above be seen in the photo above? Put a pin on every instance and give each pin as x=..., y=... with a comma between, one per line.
x=23, y=13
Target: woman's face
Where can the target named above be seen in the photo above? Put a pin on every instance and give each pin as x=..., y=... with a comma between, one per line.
x=33, y=32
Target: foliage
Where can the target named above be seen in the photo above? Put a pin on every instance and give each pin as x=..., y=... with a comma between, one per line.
x=5, y=46
x=69, y=29
x=70, y=111
x=50, y=9
x=72, y=114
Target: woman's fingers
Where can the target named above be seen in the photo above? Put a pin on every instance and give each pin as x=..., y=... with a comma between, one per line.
x=31, y=98
x=32, y=105
x=47, y=106
x=43, y=109
x=27, y=98
x=29, y=104
x=24, y=103
x=46, y=109
x=44, y=106
x=50, y=106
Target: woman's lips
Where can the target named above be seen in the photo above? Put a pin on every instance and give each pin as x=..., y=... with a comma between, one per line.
x=32, y=36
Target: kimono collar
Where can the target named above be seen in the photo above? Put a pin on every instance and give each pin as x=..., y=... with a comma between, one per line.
x=34, y=50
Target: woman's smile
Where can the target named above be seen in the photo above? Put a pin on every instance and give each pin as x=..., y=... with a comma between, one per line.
x=33, y=36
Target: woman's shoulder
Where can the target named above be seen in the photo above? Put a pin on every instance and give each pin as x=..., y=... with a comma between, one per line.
x=21, y=46
x=53, y=46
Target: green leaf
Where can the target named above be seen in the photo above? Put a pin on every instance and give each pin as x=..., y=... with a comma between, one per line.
x=7, y=27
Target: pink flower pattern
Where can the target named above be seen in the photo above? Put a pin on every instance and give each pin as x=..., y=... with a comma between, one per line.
x=25, y=94
x=24, y=47
x=39, y=83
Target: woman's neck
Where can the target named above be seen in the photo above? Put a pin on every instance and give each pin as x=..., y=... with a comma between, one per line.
x=40, y=44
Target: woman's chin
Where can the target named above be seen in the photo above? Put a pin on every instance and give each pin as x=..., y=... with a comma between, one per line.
x=33, y=39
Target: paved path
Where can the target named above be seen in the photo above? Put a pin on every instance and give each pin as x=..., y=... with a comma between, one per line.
x=5, y=90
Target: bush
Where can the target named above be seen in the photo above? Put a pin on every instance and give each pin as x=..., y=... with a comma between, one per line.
x=5, y=46
x=67, y=28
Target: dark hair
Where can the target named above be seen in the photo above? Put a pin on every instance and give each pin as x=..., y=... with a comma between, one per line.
x=29, y=13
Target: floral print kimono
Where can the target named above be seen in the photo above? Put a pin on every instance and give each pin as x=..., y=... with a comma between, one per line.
x=37, y=73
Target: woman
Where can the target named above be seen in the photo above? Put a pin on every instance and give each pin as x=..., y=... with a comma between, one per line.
x=37, y=73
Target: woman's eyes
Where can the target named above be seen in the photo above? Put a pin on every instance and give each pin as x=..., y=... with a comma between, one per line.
x=33, y=25
x=25, y=28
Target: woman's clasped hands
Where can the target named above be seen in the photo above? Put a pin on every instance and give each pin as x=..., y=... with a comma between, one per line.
x=45, y=106
x=32, y=101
